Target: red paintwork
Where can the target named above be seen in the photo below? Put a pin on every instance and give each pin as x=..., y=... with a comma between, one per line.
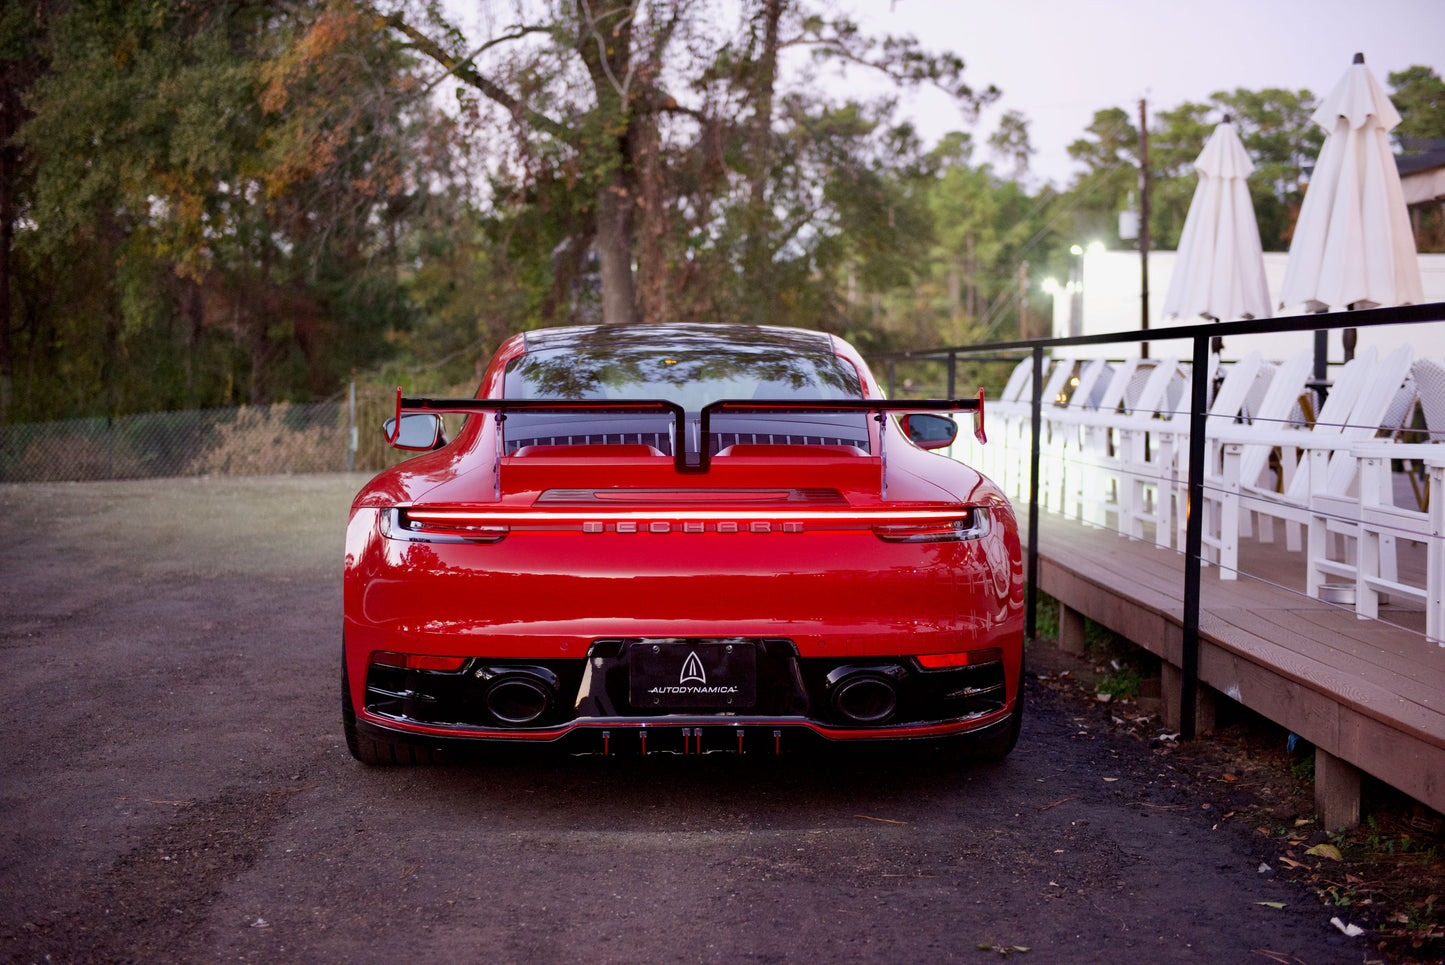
x=548, y=594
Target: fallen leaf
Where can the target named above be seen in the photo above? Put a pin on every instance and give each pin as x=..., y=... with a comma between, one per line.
x=1271, y=904
x=1326, y=851
x=1290, y=862
x=1062, y=800
x=866, y=817
x=1110, y=780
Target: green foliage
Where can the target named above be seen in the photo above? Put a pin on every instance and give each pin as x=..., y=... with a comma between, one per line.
x=1046, y=620
x=216, y=195
x=1303, y=770
x=1274, y=125
x=1419, y=95
x=1119, y=683
x=238, y=203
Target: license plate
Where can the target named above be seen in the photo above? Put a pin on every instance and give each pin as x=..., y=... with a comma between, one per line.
x=683, y=674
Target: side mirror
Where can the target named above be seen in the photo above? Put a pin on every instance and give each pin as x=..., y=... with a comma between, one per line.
x=930, y=431
x=421, y=431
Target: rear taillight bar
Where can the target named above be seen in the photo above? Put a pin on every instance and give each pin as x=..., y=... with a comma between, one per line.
x=461, y=519
x=453, y=525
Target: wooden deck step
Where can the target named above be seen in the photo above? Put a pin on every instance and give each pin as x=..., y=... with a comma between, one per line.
x=1369, y=695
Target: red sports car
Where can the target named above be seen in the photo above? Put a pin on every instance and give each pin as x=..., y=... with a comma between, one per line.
x=683, y=539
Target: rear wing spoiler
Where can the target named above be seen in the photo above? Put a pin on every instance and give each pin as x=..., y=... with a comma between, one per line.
x=684, y=462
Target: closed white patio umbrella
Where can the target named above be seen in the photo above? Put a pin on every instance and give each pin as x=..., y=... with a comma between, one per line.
x=1352, y=244
x=1219, y=272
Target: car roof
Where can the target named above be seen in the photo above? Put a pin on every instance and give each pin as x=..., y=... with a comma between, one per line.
x=679, y=337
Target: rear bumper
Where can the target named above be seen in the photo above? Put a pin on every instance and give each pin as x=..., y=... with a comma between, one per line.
x=837, y=700
x=685, y=735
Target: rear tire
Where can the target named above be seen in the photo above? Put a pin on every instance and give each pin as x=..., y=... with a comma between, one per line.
x=376, y=752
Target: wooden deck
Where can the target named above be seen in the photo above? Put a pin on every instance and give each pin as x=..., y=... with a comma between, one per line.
x=1370, y=696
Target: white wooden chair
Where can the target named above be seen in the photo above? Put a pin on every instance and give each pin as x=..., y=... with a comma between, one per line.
x=1383, y=526
x=1137, y=433
x=1089, y=437
x=1239, y=379
x=1333, y=478
x=1061, y=435
x=1429, y=377
x=1248, y=455
x=1016, y=418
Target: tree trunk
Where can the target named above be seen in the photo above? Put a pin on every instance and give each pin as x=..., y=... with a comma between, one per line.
x=757, y=253
x=614, y=254
x=605, y=44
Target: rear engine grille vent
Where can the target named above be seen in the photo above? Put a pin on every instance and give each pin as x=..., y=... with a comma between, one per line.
x=717, y=441
x=658, y=440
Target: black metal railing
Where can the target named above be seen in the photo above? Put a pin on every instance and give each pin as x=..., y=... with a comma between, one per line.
x=1200, y=337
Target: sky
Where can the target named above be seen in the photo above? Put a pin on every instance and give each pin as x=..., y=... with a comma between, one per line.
x=1057, y=62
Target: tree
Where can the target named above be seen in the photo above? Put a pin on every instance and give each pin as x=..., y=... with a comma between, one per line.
x=1281, y=139
x=1177, y=138
x=227, y=180
x=667, y=120
x=1109, y=154
x=1012, y=143
x=1419, y=96
x=20, y=66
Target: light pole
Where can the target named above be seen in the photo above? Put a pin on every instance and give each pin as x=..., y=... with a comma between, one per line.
x=1076, y=291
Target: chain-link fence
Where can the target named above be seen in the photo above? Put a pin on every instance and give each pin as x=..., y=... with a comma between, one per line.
x=247, y=441
x=338, y=436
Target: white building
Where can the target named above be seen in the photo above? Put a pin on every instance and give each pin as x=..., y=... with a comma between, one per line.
x=1104, y=296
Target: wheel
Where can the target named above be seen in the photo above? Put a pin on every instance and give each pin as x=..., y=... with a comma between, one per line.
x=377, y=751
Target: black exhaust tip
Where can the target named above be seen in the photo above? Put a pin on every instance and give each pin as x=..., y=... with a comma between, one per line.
x=866, y=695
x=519, y=699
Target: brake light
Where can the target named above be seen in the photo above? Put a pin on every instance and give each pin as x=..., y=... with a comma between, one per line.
x=402, y=524
x=968, y=658
x=973, y=524
x=418, y=661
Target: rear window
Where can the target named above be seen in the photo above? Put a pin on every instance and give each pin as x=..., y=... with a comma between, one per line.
x=690, y=378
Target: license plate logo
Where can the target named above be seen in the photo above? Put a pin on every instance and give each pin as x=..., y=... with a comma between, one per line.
x=696, y=675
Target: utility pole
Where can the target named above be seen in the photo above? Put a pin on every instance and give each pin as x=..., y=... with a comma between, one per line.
x=1143, y=225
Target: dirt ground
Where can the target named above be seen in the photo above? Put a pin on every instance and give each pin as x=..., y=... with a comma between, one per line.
x=174, y=788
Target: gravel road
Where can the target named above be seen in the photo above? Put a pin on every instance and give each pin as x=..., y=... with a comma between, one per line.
x=174, y=788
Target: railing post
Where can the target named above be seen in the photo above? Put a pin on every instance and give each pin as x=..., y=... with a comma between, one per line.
x=1194, y=536
x=891, y=394
x=952, y=371
x=1031, y=589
